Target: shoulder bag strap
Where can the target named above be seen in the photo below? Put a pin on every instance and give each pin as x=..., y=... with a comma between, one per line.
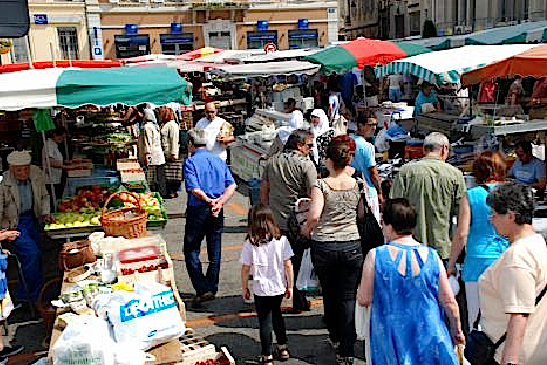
x=504, y=337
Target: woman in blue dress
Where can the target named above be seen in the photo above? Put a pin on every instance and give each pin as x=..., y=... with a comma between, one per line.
x=406, y=286
x=483, y=243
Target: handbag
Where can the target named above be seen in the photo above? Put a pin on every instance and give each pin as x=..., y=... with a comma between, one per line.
x=479, y=348
x=369, y=230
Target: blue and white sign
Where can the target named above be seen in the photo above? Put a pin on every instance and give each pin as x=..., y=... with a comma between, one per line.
x=262, y=25
x=131, y=29
x=98, y=51
x=176, y=28
x=41, y=19
x=303, y=23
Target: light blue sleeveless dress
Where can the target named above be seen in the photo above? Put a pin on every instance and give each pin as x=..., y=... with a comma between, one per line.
x=406, y=323
x=484, y=244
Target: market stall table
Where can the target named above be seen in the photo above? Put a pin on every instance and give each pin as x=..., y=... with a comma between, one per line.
x=168, y=353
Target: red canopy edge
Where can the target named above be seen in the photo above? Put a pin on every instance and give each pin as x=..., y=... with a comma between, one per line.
x=531, y=63
x=60, y=64
x=372, y=52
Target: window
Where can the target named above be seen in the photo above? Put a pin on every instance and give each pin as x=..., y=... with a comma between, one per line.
x=132, y=45
x=415, y=23
x=176, y=44
x=303, y=38
x=68, y=43
x=259, y=39
x=222, y=39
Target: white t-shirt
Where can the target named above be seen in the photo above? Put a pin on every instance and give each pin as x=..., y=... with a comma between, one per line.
x=510, y=286
x=395, y=82
x=51, y=151
x=297, y=120
x=334, y=106
x=266, y=263
x=212, y=129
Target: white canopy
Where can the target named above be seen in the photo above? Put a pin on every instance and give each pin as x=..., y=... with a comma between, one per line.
x=266, y=69
x=447, y=66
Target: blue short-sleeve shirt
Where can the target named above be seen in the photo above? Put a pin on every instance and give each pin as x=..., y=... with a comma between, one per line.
x=208, y=173
x=365, y=158
x=528, y=173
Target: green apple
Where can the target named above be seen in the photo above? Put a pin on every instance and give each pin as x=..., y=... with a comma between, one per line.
x=95, y=221
x=68, y=225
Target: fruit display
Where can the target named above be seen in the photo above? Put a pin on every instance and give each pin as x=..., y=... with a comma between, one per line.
x=85, y=208
x=220, y=361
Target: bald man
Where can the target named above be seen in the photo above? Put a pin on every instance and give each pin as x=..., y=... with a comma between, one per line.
x=211, y=123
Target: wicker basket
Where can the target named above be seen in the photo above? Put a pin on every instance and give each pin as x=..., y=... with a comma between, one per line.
x=115, y=224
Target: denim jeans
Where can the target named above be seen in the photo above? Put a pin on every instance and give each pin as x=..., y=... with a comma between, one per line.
x=29, y=252
x=200, y=224
x=338, y=265
x=268, y=310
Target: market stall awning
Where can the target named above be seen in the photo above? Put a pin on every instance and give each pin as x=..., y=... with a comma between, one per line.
x=447, y=66
x=266, y=69
x=196, y=53
x=533, y=32
x=362, y=52
x=75, y=87
x=532, y=62
x=149, y=58
x=13, y=67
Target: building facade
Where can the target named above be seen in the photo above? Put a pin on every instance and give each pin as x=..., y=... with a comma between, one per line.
x=57, y=31
x=390, y=19
x=128, y=28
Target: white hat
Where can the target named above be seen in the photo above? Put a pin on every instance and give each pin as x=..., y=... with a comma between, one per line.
x=19, y=158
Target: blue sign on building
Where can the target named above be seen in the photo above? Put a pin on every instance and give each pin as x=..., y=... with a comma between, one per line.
x=98, y=51
x=262, y=25
x=131, y=29
x=176, y=28
x=41, y=19
x=303, y=23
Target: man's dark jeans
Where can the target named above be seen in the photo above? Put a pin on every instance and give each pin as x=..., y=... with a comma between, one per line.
x=269, y=314
x=338, y=266
x=201, y=224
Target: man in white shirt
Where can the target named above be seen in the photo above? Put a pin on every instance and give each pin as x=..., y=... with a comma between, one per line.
x=297, y=118
x=211, y=124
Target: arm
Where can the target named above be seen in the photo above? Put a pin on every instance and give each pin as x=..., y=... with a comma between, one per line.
x=230, y=190
x=200, y=194
x=245, y=293
x=377, y=181
x=365, y=293
x=289, y=274
x=541, y=180
x=515, y=335
x=316, y=208
x=460, y=238
x=450, y=306
x=265, y=192
x=175, y=134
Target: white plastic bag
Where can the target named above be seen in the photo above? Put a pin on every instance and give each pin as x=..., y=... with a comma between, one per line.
x=86, y=340
x=146, y=317
x=307, y=279
x=381, y=142
x=127, y=354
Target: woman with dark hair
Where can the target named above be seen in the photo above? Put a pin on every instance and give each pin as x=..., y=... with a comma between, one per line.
x=336, y=248
x=511, y=288
x=475, y=232
x=405, y=284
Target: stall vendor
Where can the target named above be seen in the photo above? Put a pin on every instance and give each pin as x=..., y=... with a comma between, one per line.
x=212, y=125
x=427, y=95
x=528, y=169
x=24, y=202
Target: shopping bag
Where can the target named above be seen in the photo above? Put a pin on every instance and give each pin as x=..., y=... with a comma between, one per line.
x=460, y=350
x=307, y=279
x=361, y=321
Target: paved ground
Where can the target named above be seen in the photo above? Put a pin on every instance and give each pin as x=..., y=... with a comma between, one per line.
x=226, y=321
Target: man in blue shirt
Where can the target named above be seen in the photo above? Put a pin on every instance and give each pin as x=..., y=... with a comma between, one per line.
x=427, y=95
x=209, y=184
x=528, y=169
x=365, y=162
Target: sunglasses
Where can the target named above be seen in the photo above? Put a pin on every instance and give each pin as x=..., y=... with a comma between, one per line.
x=310, y=144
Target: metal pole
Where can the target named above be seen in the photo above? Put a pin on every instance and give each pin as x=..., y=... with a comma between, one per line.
x=27, y=42
x=53, y=58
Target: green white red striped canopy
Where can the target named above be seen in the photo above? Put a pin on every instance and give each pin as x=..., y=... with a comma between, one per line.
x=75, y=87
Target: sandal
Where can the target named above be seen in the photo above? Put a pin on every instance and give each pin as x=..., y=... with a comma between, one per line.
x=266, y=360
x=282, y=352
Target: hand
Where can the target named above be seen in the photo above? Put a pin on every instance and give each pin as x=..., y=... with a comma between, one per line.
x=9, y=235
x=450, y=270
x=457, y=336
x=305, y=231
x=245, y=294
x=289, y=293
